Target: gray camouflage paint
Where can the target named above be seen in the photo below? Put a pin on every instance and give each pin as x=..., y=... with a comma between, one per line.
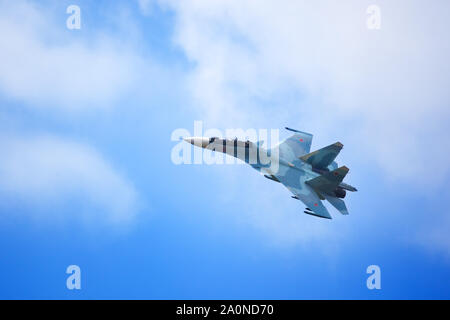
x=309, y=176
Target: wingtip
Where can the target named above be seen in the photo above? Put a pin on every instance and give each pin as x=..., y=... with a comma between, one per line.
x=312, y=213
x=298, y=131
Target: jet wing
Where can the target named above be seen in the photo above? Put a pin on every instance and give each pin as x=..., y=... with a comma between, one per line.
x=296, y=145
x=313, y=203
x=294, y=181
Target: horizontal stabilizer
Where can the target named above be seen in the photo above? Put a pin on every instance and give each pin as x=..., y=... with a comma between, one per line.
x=322, y=158
x=329, y=181
x=339, y=204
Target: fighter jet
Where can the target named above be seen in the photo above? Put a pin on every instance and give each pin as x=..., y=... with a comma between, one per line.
x=311, y=177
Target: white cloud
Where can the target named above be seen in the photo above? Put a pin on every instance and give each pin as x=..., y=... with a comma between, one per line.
x=45, y=172
x=44, y=64
x=385, y=90
x=315, y=65
x=146, y=6
x=433, y=234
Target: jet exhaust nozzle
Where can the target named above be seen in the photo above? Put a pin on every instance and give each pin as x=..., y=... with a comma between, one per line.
x=340, y=193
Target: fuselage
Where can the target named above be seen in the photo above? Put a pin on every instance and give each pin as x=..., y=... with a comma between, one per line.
x=310, y=176
x=254, y=154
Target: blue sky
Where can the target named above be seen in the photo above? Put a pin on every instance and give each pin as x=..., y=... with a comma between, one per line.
x=86, y=176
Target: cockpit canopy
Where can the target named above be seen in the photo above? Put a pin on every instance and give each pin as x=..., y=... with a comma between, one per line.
x=234, y=142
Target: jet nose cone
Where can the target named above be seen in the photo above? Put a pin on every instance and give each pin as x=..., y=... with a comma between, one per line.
x=197, y=141
x=189, y=140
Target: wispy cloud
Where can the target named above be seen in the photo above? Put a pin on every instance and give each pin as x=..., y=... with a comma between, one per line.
x=55, y=71
x=147, y=6
x=44, y=64
x=45, y=172
x=316, y=65
x=385, y=90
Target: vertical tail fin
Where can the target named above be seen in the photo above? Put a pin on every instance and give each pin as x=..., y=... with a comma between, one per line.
x=324, y=157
